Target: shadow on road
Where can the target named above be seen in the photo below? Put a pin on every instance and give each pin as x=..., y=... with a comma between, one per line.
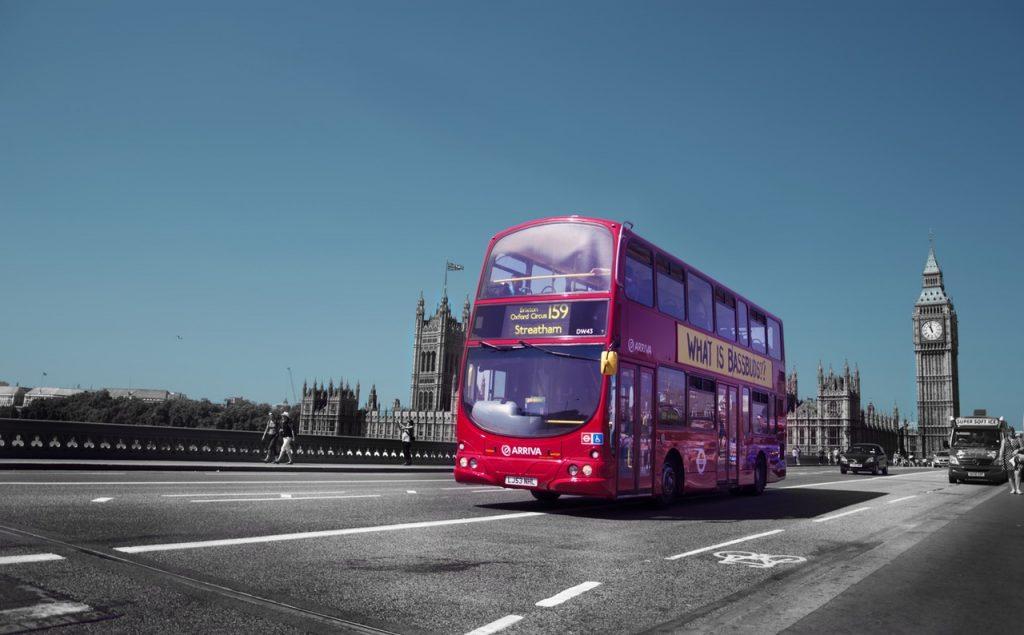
x=772, y=505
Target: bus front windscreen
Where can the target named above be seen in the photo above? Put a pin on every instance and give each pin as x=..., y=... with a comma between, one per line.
x=554, y=258
x=976, y=439
x=531, y=391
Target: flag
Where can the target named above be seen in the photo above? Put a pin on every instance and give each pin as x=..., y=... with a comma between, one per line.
x=454, y=267
x=44, y=373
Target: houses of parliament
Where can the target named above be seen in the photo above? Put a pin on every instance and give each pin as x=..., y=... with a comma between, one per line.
x=334, y=409
x=835, y=419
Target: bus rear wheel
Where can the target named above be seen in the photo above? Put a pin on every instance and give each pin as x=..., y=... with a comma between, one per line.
x=670, y=474
x=545, y=496
x=760, y=478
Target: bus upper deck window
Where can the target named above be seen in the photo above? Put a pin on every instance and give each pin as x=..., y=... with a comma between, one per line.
x=699, y=301
x=552, y=258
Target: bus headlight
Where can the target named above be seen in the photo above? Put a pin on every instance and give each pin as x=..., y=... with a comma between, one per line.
x=587, y=470
x=594, y=454
x=463, y=462
x=462, y=446
x=472, y=464
x=573, y=470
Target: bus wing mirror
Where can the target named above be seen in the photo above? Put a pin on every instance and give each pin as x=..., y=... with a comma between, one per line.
x=609, y=363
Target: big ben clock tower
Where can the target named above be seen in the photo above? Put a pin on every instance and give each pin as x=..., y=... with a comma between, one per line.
x=935, y=348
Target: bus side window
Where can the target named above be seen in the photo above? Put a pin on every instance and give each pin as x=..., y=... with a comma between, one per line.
x=746, y=409
x=725, y=315
x=671, y=288
x=757, y=331
x=774, y=339
x=700, y=400
x=699, y=300
x=744, y=332
x=671, y=397
x=759, y=412
x=639, y=275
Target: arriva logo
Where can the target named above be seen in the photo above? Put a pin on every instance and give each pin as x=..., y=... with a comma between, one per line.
x=639, y=347
x=519, y=450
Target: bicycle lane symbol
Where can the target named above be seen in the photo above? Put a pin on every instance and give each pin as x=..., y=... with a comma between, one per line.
x=756, y=560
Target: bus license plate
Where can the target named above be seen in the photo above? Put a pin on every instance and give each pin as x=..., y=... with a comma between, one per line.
x=528, y=481
x=975, y=475
x=855, y=465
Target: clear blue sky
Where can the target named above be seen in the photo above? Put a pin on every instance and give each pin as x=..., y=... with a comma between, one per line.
x=276, y=182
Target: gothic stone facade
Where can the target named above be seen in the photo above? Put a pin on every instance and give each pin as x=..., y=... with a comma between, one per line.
x=437, y=351
x=835, y=420
x=332, y=410
x=935, y=351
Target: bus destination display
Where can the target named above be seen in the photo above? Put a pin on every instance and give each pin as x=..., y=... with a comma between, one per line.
x=541, y=319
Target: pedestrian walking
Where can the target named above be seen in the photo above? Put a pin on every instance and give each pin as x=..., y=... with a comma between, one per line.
x=408, y=436
x=1008, y=451
x=796, y=456
x=269, y=438
x=835, y=456
x=287, y=438
x=821, y=456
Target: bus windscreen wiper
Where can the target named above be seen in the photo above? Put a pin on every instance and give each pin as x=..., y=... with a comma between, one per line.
x=555, y=353
x=495, y=347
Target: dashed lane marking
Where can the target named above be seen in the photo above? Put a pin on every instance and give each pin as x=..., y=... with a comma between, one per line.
x=42, y=611
x=834, y=516
x=282, y=497
x=410, y=491
x=29, y=557
x=496, y=625
x=896, y=500
x=200, y=494
x=725, y=544
x=321, y=534
x=102, y=499
x=568, y=594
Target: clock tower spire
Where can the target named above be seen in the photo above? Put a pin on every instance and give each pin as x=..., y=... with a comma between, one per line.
x=935, y=350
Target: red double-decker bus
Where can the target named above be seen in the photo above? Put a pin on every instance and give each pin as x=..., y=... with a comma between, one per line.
x=598, y=364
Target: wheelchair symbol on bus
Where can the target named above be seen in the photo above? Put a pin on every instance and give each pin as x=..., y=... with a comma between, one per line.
x=756, y=560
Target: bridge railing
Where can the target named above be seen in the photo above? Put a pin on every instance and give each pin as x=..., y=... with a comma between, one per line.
x=31, y=438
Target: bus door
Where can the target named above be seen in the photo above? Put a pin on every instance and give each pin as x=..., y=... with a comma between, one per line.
x=635, y=427
x=728, y=439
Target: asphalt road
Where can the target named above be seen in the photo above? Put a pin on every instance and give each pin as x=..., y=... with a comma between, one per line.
x=294, y=552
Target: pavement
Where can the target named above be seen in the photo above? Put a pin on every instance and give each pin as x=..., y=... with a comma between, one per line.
x=166, y=551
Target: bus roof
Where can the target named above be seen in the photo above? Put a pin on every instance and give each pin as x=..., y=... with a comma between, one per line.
x=616, y=227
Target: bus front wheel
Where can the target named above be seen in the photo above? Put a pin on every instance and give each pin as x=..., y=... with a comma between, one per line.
x=545, y=496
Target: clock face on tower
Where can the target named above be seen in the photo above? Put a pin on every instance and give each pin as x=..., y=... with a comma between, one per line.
x=931, y=330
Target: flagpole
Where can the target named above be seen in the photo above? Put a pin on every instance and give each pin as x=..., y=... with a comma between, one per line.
x=444, y=289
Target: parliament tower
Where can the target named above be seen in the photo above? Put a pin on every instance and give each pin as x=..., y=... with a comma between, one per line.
x=437, y=351
x=935, y=348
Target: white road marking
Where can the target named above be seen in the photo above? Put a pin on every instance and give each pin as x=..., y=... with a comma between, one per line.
x=834, y=516
x=195, y=494
x=41, y=611
x=568, y=594
x=102, y=500
x=856, y=481
x=410, y=491
x=321, y=534
x=896, y=500
x=724, y=544
x=30, y=557
x=276, y=482
x=496, y=625
x=282, y=497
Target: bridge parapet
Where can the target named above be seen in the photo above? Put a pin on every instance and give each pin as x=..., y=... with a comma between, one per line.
x=31, y=438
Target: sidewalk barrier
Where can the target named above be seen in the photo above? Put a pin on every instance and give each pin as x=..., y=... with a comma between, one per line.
x=39, y=439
